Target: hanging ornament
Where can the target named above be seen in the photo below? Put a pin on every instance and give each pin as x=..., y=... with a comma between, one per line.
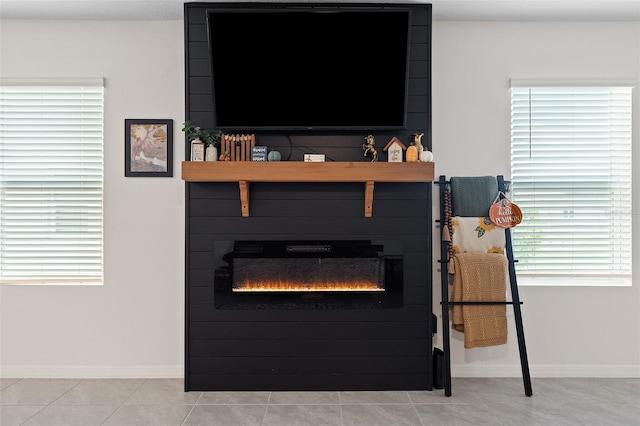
x=504, y=213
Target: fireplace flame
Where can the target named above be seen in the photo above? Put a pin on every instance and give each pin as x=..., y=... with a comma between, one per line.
x=292, y=286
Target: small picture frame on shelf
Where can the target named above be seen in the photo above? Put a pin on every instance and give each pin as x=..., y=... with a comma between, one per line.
x=148, y=148
x=197, y=150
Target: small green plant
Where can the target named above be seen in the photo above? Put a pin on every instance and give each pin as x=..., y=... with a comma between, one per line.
x=209, y=137
x=191, y=130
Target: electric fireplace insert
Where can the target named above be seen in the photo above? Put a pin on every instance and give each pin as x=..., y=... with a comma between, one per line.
x=309, y=275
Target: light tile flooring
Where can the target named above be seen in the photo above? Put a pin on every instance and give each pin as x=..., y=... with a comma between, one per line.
x=474, y=401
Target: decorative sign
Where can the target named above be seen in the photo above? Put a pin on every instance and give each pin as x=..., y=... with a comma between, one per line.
x=197, y=150
x=313, y=158
x=259, y=153
x=505, y=214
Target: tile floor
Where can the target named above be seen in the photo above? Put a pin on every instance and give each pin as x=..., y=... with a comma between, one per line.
x=474, y=401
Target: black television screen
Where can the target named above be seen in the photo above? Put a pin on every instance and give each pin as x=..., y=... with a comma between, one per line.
x=310, y=68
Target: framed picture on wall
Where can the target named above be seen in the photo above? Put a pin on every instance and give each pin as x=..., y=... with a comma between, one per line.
x=148, y=148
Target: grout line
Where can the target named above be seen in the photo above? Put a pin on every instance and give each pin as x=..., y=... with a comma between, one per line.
x=413, y=404
x=111, y=414
x=192, y=408
x=266, y=407
x=134, y=392
x=67, y=391
x=123, y=402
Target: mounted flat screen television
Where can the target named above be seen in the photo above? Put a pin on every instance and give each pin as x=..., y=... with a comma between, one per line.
x=309, y=67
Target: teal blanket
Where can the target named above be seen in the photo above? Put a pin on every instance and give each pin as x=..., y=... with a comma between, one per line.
x=472, y=196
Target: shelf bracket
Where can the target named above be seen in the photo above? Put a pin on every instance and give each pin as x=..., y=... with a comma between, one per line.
x=368, y=198
x=244, y=197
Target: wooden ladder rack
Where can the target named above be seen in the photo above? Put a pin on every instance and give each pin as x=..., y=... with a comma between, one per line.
x=503, y=186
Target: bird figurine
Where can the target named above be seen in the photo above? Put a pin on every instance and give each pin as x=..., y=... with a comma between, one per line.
x=417, y=141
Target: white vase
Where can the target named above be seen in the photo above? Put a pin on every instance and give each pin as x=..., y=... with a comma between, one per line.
x=211, y=154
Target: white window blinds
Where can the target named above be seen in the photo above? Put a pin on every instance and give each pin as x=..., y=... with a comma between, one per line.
x=571, y=176
x=51, y=182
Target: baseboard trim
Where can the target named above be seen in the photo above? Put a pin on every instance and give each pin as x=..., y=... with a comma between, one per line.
x=92, y=372
x=632, y=371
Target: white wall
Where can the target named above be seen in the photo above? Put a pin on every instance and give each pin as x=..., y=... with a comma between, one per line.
x=133, y=325
x=575, y=331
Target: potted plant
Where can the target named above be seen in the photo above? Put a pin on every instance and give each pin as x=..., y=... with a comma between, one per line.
x=191, y=131
x=210, y=138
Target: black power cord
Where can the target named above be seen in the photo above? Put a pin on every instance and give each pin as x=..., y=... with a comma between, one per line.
x=302, y=148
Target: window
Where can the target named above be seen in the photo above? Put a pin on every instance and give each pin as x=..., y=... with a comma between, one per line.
x=51, y=182
x=571, y=177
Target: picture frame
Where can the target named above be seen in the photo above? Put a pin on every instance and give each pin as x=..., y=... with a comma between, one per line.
x=148, y=148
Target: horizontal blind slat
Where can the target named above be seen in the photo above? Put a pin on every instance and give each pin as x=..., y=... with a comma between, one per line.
x=571, y=177
x=51, y=203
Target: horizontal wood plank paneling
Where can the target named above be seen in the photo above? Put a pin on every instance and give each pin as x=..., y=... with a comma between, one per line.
x=313, y=190
x=410, y=313
x=292, y=225
x=304, y=348
x=304, y=329
x=318, y=382
x=288, y=347
x=309, y=365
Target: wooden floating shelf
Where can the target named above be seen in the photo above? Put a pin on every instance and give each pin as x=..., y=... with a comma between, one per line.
x=245, y=172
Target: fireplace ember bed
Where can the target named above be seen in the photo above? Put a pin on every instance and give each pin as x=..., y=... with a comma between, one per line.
x=309, y=275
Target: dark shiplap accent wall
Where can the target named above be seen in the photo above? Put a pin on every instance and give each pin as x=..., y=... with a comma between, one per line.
x=327, y=349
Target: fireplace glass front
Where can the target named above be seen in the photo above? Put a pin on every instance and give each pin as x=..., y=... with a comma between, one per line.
x=309, y=274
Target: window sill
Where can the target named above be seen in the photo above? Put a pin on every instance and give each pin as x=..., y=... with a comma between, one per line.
x=573, y=282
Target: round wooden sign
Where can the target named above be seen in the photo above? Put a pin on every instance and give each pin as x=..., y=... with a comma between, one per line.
x=505, y=214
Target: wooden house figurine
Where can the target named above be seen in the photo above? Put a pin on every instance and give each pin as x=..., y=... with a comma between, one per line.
x=394, y=150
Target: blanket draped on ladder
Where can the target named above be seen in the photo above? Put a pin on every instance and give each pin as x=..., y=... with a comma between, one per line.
x=480, y=277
